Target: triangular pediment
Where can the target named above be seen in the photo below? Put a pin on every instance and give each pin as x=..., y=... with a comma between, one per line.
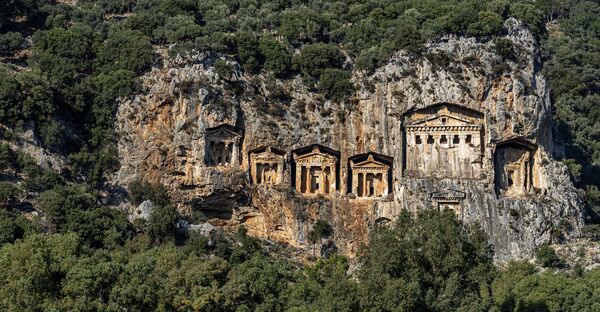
x=370, y=162
x=223, y=133
x=438, y=120
x=315, y=154
x=224, y=130
x=267, y=155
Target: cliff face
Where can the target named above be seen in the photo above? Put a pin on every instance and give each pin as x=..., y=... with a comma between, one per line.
x=492, y=163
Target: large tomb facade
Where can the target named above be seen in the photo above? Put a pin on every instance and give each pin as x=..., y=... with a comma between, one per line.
x=370, y=175
x=316, y=170
x=513, y=166
x=444, y=141
x=222, y=146
x=266, y=166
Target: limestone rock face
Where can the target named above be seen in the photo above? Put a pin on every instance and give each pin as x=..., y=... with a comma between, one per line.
x=484, y=124
x=142, y=211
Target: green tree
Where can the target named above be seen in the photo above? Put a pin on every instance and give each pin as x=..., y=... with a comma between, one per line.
x=125, y=49
x=8, y=193
x=33, y=270
x=547, y=257
x=163, y=224
x=10, y=42
x=277, y=56
x=335, y=84
x=315, y=58
x=429, y=262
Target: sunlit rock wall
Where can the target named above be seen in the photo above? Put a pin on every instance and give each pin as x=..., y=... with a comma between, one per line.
x=163, y=132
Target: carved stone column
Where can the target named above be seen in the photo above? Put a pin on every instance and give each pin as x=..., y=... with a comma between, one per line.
x=298, y=178
x=279, y=172
x=384, y=181
x=355, y=182
x=333, y=178
x=322, y=186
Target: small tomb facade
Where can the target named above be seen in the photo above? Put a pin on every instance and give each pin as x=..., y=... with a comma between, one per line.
x=449, y=200
x=513, y=166
x=444, y=141
x=315, y=170
x=370, y=175
x=266, y=166
x=222, y=146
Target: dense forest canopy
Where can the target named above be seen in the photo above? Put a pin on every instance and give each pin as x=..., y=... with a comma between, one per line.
x=64, y=63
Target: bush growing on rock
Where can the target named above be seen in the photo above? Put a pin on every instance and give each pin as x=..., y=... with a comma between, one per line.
x=314, y=59
x=277, y=56
x=140, y=191
x=335, y=84
x=547, y=257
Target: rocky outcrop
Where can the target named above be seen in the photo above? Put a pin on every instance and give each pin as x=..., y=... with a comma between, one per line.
x=162, y=134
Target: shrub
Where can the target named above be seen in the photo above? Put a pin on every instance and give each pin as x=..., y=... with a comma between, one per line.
x=248, y=50
x=277, y=56
x=547, y=257
x=38, y=179
x=223, y=69
x=9, y=230
x=504, y=48
x=140, y=191
x=10, y=42
x=315, y=58
x=59, y=203
x=162, y=225
x=335, y=84
x=125, y=49
x=178, y=29
x=592, y=231
x=488, y=23
x=8, y=192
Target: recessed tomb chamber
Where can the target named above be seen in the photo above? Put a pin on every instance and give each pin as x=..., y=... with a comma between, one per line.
x=266, y=166
x=222, y=146
x=371, y=175
x=514, y=166
x=315, y=170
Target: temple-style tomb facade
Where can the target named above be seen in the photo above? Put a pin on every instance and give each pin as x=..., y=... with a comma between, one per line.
x=370, y=175
x=315, y=170
x=444, y=141
x=513, y=166
x=266, y=166
x=222, y=146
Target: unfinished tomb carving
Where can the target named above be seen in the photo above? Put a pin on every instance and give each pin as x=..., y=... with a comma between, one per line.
x=316, y=170
x=266, y=166
x=449, y=200
x=443, y=140
x=370, y=175
x=514, y=166
x=222, y=146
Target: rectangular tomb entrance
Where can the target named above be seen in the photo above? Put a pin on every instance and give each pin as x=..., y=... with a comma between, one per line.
x=316, y=170
x=513, y=166
x=449, y=200
x=266, y=166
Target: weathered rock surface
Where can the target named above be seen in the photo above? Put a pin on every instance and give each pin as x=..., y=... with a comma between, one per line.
x=162, y=133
